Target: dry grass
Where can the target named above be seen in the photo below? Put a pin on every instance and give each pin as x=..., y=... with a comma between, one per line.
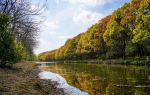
x=22, y=79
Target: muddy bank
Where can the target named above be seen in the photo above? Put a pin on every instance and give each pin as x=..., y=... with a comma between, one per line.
x=23, y=79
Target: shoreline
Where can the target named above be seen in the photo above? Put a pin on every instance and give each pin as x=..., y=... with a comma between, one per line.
x=23, y=79
x=61, y=83
x=134, y=62
x=51, y=85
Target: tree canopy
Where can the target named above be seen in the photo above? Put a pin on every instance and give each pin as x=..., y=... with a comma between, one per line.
x=18, y=31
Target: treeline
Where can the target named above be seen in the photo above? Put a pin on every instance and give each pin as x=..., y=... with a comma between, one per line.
x=18, y=31
x=125, y=33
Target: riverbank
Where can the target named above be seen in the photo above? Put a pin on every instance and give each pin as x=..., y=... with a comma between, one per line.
x=22, y=79
x=145, y=61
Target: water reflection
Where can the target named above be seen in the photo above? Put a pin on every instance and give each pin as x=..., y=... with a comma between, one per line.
x=105, y=79
x=62, y=83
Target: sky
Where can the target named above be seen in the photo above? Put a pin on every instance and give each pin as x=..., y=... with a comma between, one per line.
x=64, y=19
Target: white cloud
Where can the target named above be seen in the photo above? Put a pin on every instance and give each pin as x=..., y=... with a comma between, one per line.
x=87, y=17
x=64, y=37
x=49, y=28
x=51, y=25
x=43, y=46
x=33, y=7
x=89, y=2
x=57, y=1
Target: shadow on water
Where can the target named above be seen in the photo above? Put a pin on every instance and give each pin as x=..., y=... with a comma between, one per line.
x=100, y=79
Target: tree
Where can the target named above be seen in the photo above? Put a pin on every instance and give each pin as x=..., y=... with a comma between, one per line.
x=8, y=50
x=141, y=33
x=115, y=37
x=22, y=22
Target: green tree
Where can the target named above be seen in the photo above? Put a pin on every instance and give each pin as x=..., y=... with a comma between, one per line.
x=8, y=48
x=115, y=37
x=141, y=33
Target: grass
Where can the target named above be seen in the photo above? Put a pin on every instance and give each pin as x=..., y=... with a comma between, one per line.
x=25, y=66
x=10, y=79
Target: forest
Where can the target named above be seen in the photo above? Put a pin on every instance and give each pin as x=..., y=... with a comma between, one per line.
x=125, y=33
x=18, y=31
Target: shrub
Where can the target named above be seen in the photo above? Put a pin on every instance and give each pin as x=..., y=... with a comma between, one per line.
x=11, y=51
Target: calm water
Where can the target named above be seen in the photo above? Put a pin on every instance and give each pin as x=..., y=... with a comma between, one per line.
x=98, y=79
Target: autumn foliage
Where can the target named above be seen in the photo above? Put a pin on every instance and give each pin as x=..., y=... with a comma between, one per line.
x=125, y=33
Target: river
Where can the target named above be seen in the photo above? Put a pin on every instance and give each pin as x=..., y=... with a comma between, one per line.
x=99, y=79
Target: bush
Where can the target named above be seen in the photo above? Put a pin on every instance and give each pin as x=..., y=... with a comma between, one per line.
x=11, y=51
x=7, y=49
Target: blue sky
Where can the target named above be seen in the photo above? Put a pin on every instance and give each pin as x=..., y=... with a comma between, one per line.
x=63, y=19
